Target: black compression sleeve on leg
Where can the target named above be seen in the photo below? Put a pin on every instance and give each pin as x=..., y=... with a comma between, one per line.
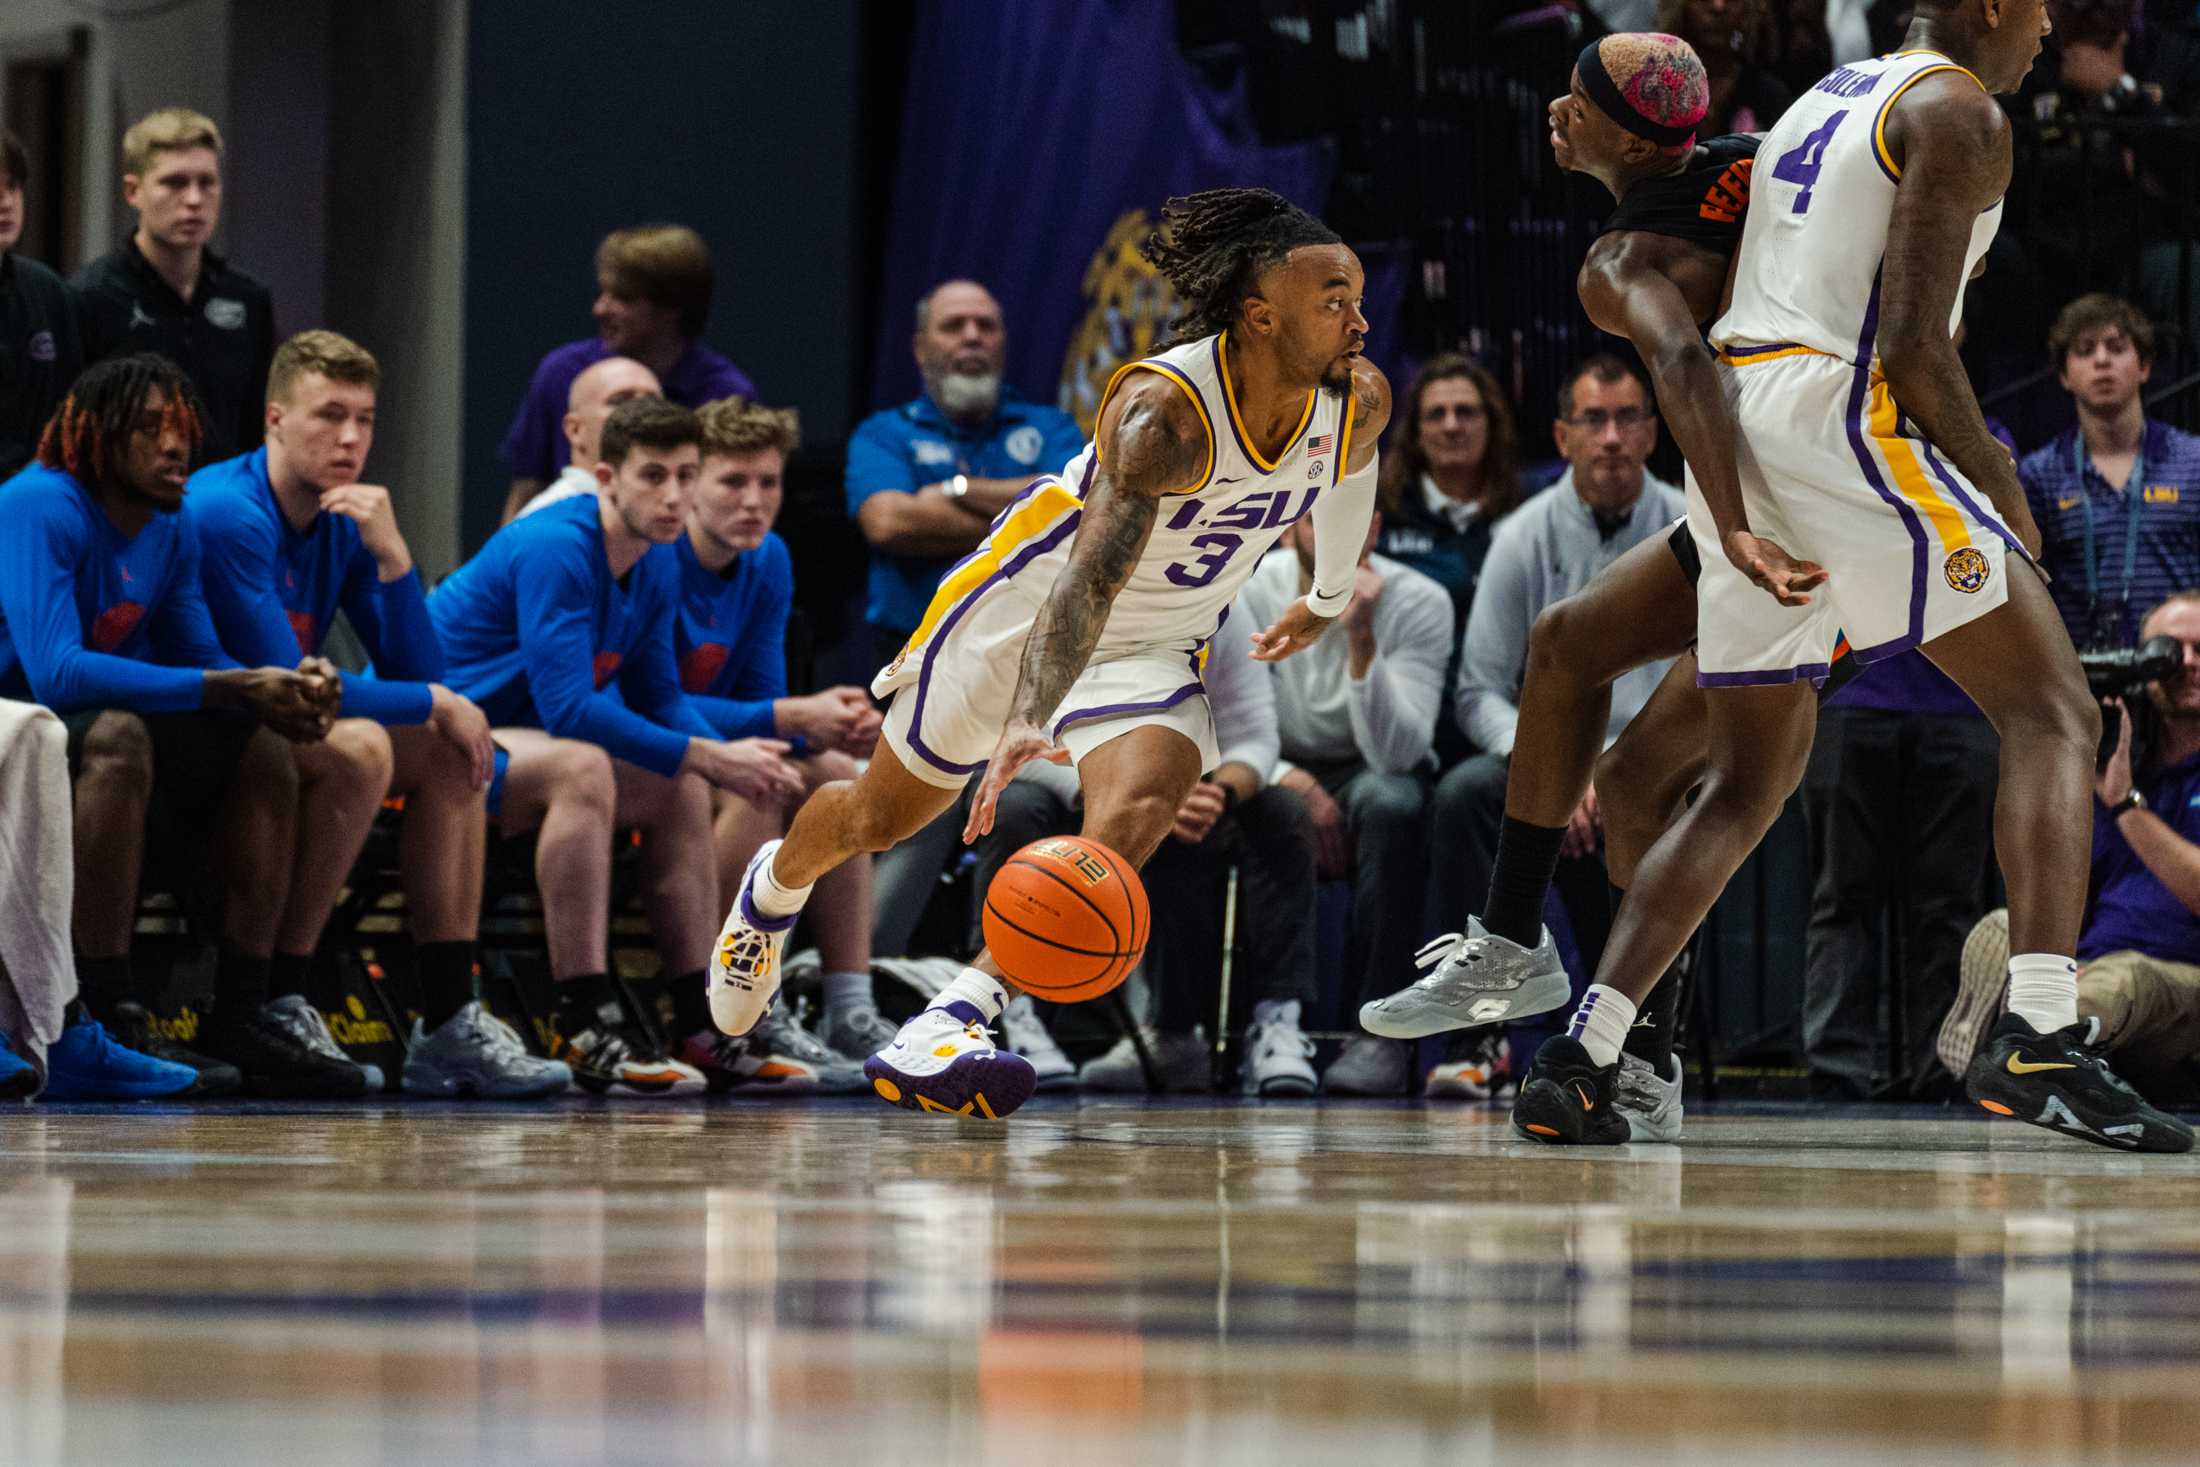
x=691, y=1003
x=447, y=981
x=1651, y=1039
x=1526, y=857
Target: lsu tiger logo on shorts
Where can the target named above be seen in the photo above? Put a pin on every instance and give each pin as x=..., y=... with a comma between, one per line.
x=1967, y=570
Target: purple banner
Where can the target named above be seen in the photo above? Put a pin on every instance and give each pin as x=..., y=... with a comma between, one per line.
x=1039, y=142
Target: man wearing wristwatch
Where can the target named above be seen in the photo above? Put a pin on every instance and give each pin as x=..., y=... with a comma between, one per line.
x=925, y=479
x=2140, y=950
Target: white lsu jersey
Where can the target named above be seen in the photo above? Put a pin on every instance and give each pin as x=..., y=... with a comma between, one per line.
x=1820, y=200
x=1208, y=536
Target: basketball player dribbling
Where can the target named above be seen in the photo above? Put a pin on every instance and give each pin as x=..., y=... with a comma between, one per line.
x=1863, y=448
x=1077, y=631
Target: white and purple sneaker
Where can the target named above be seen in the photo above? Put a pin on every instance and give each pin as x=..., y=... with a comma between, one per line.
x=744, y=968
x=944, y=1061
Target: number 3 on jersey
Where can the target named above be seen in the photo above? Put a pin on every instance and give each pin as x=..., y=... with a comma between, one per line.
x=1802, y=163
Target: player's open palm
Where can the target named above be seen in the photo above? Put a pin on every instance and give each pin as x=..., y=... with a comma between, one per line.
x=1020, y=743
x=1293, y=632
x=1780, y=575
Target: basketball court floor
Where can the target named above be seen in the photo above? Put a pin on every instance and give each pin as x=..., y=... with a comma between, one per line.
x=1095, y=1282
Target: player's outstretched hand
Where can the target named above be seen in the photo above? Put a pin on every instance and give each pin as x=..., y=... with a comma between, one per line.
x=1295, y=631
x=1020, y=744
x=1780, y=575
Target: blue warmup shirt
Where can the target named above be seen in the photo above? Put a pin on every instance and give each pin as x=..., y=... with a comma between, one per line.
x=536, y=631
x=732, y=637
x=2145, y=538
x=2131, y=910
x=274, y=591
x=907, y=447
x=93, y=618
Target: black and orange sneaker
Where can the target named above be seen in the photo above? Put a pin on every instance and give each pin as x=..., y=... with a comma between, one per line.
x=2062, y=1081
x=615, y=1054
x=1567, y=1099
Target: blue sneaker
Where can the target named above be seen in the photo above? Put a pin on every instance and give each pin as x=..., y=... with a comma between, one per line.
x=85, y=1063
x=18, y=1076
x=944, y=1061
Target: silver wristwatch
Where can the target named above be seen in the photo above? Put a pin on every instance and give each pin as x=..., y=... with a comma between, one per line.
x=2129, y=803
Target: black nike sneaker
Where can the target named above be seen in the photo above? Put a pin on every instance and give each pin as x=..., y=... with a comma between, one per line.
x=274, y=1063
x=1566, y=1098
x=133, y=1026
x=2062, y=1081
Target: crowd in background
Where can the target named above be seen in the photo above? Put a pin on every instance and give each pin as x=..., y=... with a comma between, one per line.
x=191, y=504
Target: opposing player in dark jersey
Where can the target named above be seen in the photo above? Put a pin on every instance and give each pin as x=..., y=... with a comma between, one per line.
x=1655, y=274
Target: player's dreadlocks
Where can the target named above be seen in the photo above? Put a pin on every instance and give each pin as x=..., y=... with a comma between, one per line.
x=1212, y=248
x=102, y=411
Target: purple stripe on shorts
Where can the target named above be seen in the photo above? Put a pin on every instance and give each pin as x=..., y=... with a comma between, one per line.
x=1970, y=505
x=1816, y=672
x=1111, y=710
x=1021, y=559
x=1858, y=392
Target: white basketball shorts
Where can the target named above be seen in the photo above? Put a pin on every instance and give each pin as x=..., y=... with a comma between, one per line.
x=1832, y=472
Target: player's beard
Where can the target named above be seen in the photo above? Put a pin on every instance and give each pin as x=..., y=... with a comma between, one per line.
x=968, y=394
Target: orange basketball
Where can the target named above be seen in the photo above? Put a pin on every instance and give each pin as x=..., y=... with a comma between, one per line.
x=1066, y=919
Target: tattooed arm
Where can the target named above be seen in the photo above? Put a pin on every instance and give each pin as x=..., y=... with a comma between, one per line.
x=1151, y=442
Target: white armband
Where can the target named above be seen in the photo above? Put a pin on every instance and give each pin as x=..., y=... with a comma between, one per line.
x=1340, y=533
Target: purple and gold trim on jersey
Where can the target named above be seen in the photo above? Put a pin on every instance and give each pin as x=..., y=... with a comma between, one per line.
x=1237, y=422
x=1185, y=385
x=1887, y=165
x=1750, y=356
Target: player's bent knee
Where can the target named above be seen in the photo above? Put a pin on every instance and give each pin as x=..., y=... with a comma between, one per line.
x=364, y=748
x=269, y=769
x=118, y=751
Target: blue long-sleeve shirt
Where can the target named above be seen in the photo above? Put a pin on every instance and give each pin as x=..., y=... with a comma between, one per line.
x=537, y=631
x=274, y=590
x=91, y=617
x=732, y=637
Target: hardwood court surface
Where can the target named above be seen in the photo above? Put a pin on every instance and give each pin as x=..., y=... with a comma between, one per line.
x=1102, y=1282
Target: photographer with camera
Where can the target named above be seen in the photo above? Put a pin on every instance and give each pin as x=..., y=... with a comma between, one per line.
x=2117, y=498
x=2139, y=954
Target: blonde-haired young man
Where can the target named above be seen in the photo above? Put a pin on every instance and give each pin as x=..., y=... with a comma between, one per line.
x=736, y=586
x=288, y=534
x=167, y=291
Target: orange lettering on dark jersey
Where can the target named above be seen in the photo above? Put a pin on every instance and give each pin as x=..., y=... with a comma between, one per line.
x=1728, y=199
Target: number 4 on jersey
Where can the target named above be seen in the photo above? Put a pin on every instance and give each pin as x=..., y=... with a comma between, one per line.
x=1801, y=164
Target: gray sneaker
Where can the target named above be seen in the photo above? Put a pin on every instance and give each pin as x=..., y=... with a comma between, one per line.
x=1279, y=1058
x=783, y=1058
x=1368, y=1066
x=1027, y=1035
x=858, y=1033
x=1184, y=1061
x=1479, y=978
x=473, y=1052
x=1651, y=1105
x=296, y=1016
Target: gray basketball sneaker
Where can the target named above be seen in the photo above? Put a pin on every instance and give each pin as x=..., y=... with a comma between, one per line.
x=1479, y=978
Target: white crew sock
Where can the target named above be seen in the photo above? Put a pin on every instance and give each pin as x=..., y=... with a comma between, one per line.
x=979, y=989
x=772, y=899
x=1602, y=1021
x=2043, y=987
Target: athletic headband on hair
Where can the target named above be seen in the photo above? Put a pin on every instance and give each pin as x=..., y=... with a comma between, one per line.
x=1613, y=103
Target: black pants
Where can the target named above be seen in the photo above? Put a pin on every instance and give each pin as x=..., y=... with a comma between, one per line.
x=1901, y=813
x=1271, y=839
x=1388, y=815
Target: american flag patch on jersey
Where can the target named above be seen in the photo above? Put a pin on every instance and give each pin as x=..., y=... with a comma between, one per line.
x=1320, y=444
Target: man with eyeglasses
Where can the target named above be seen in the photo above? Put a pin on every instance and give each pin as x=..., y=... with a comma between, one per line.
x=1604, y=505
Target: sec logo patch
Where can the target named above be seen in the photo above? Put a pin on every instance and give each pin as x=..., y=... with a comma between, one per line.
x=1967, y=570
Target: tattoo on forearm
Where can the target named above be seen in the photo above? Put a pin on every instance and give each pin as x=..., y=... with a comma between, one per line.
x=1069, y=625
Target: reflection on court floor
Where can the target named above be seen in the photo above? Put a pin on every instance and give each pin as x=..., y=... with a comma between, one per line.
x=1104, y=1282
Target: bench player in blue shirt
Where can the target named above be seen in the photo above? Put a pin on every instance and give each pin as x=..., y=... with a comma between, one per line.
x=736, y=586
x=561, y=630
x=288, y=536
x=173, y=747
